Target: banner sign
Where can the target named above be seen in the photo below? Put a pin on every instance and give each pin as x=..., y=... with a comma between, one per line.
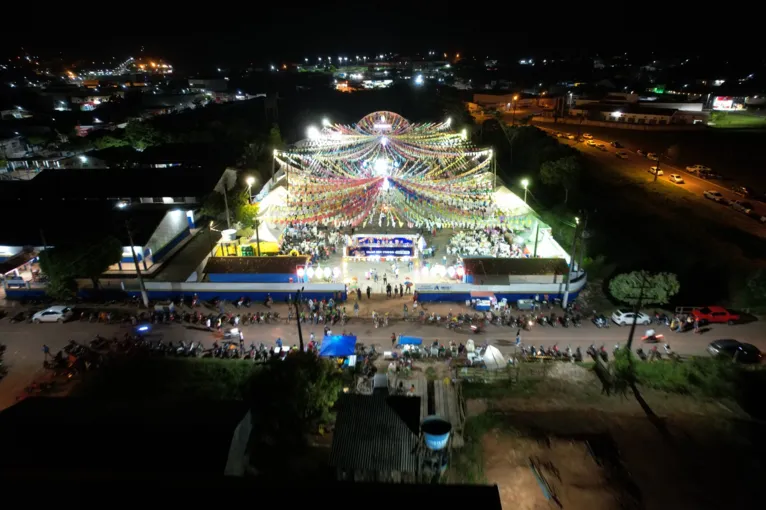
x=380, y=251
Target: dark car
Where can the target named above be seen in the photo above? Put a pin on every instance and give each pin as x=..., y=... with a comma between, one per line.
x=737, y=351
x=709, y=175
x=616, y=145
x=743, y=191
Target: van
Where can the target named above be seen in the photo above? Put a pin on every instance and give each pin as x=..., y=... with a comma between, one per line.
x=15, y=282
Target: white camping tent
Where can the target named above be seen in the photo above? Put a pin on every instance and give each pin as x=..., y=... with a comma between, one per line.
x=492, y=358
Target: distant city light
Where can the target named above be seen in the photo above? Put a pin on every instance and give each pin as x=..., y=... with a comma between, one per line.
x=419, y=79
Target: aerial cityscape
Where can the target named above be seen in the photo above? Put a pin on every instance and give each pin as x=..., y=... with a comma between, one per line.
x=423, y=268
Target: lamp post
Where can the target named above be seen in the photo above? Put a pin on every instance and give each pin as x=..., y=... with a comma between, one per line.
x=525, y=185
x=250, y=181
x=513, y=114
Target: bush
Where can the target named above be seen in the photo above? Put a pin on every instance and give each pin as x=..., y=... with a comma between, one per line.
x=705, y=377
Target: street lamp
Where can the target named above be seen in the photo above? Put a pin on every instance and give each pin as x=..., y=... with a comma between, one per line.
x=313, y=133
x=525, y=185
x=513, y=114
x=325, y=122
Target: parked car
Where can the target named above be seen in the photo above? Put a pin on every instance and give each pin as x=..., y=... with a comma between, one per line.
x=621, y=154
x=571, y=137
x=57, y=313
x=624, y=316
x=616, y=144
x=742, y=206
x=737, y=351
x=743, y=191
x=696, y=169
x=590, y=143
x=676, y=179
x=715, y=315
x=707, y=174
x=601, y=147
x=656, y=171
x=560, y=135
x=653, y=156
x=715, y=196
x=641, y=152
x=587, y=136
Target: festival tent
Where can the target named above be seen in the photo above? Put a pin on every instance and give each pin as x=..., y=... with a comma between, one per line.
x=277, y=198
x=493, y=359
x=508, y=201
x=410, y=340
x=338, y=346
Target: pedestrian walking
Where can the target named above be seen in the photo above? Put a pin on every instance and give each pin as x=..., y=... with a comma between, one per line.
x=518, y=337
x=207, y=323
x=396, y=291
x=385, y=279
x=393, y=339
x=696, y=325
x=311, y=337
x=358, y=294
x=369, y=289
x=401, y=290
x=356, y=309
x=406, y=312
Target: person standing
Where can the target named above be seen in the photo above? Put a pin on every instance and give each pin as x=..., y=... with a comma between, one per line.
x=518, y=337
x=311, y=337
x=356, y=309
x=393, y=340
x=385, y=279
x=401, y=290
x=207, y=323
x=369, y=289
x=358, y=294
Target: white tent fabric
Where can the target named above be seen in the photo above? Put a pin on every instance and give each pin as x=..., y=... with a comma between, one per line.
x=509, y=202
x=493, y=359
x=265, y=234
x=277, y=197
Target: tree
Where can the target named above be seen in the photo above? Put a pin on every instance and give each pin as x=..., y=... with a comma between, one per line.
x=642, y=287
x=88, y=259
x=109, y=141
x=289, y=399
x=141, y=135
x=563, y=172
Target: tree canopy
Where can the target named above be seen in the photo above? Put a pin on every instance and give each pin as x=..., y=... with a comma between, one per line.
x=141, y=135
x=644, y=287
x=89, y=259
x=564, y=172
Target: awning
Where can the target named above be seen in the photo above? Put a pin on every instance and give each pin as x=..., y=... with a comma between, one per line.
x=410, y=340
x=338, y=346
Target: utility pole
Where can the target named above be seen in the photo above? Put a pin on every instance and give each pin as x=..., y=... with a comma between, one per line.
x=537, y=235
x=635, y=311
x=226, y=203
x=273, y=166
x=144, y=295
x=494, y=170
x=565, y=301
x=257, y=238
x=657, y=170
x=297, y=303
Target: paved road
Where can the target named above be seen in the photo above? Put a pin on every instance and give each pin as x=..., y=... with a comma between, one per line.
x=24, y=341
x=637, y=167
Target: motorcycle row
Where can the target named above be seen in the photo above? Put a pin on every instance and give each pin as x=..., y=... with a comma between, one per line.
x=531, y=353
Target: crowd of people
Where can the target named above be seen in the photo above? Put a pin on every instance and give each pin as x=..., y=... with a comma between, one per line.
x=317, y=242
x=487, y=242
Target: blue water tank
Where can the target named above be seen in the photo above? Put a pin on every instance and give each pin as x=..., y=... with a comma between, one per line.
x=436, y=432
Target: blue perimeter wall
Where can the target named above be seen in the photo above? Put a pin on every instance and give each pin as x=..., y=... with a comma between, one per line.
x=19, y=294
x=252, y=277
x=457, y=297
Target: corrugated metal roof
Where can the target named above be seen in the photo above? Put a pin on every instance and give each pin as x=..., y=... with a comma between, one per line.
x=376, y=434
x=511, y=266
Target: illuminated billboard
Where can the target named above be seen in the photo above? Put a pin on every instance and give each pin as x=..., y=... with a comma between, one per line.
x=723, y=103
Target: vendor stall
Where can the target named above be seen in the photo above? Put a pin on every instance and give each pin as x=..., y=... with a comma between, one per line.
x=338, y=346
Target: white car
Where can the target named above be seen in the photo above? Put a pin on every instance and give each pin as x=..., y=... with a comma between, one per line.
x=625, y=316
x=587, y=136
x=654, y=170
x=696, y=169
x=591, y=143
x=621, y=154
x=716, y=196
x=676, y=179
x=571, y=137
x=653, y=156
x=53, y=314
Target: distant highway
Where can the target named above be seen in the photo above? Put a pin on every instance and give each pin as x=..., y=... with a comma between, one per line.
x=635, y=167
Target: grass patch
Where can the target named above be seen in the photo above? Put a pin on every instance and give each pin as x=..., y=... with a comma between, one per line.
x=468, y=463
x=736, y=120
x=169, y=378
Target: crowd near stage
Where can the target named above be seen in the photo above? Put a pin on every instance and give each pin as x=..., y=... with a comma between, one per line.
x=386, y=203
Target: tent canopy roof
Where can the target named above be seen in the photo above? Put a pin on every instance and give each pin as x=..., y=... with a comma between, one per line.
x=338, y=346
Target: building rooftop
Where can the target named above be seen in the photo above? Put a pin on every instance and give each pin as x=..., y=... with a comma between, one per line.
x=62, y=222
x=267, y=265
x=112, y=183
x=376, y=434
x=104, y=438
x=509, y=266
x=625, y=108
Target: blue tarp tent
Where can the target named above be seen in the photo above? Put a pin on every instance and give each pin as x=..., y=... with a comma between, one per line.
x=338, y=345
x=410, y=340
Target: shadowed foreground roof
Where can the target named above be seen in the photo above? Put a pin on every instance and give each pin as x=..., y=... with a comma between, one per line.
x=510, y=266
x=265, y=265
x=376, y=433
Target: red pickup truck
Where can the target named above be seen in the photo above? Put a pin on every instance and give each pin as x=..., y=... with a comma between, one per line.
x=715, y=314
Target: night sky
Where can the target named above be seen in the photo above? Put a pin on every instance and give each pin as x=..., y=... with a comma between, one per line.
x=191, y=37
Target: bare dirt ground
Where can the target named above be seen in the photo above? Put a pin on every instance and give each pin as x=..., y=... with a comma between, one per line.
x=604, y=452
